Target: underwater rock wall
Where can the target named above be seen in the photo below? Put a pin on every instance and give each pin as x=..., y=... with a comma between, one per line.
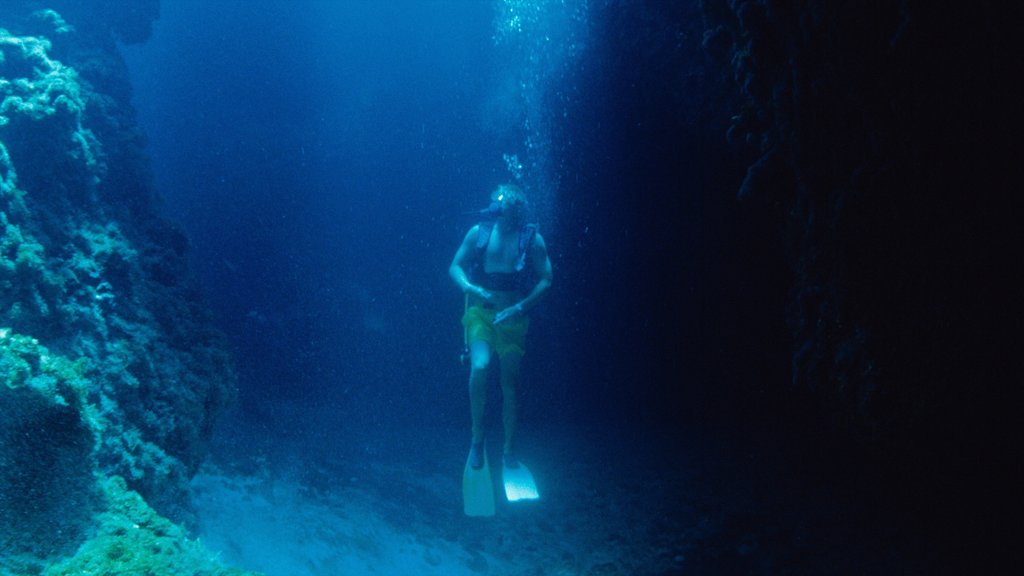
x=47, y=447
x=883, y=136
x=128, y=21
x=110, y=365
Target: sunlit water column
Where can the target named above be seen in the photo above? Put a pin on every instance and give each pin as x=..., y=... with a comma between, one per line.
x=537, y=42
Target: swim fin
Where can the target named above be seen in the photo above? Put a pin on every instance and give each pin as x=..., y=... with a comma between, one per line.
x=519, y=484
x=478, y=490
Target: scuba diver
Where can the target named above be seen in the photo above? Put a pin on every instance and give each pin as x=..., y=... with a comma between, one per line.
x=504, y=269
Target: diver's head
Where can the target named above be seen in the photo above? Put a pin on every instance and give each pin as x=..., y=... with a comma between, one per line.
x=510, y=202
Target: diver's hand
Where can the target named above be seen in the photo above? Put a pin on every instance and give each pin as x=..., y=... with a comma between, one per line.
x=507, y=313
x=483, y=294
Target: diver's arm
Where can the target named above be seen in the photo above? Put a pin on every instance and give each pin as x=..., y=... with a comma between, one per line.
x=542, y=267
x=459, y=264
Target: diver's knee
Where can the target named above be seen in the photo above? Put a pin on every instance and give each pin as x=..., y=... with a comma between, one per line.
x=479, y=356
x=479, y=363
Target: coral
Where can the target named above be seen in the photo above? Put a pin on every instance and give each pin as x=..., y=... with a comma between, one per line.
x=111, y=366
x=47, y=442
x=50, y=498
x=42, y=103
x=76, y=262
x=133, y=539
x=129, y=21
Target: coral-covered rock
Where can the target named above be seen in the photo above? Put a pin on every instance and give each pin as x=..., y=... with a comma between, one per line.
x=110, y=364
x=47, y=448
x=130, y=21
x=133, y=539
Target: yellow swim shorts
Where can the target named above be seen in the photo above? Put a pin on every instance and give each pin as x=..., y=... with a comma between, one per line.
x=506, y=338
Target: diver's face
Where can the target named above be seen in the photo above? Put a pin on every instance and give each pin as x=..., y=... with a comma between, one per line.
x=512, y=210
x=511, y=206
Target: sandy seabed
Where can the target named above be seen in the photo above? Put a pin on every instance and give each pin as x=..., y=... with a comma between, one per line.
x=610, y=505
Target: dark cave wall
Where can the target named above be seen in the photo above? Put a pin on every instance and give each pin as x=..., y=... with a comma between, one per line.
x=811, y=223
x=884, y=132
x=676, y=289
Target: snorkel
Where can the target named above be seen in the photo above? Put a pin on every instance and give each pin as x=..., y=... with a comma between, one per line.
x=493, y=211
x=507, y=201
x=511, y=205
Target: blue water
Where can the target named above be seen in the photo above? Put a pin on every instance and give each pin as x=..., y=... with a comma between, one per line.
x=324, y=157
x=321, y=157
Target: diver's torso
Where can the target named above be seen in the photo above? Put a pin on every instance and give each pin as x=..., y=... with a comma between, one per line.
x=502, y=251
x=499, y=268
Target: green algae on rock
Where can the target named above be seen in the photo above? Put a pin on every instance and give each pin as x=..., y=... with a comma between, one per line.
x=112, y=373
x=133, y=539
x=47, y=445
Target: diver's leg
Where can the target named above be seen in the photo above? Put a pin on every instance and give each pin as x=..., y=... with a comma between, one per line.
x=509, y=378
x=480, y=358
